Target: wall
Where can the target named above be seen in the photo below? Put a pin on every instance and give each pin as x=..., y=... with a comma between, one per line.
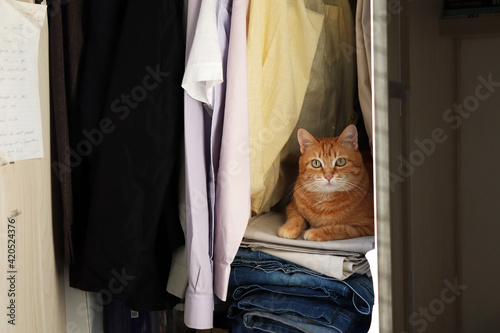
x=479, y=181
x=448, y=162
x=428, y=167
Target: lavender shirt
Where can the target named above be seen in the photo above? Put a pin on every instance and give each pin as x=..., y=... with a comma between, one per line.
x=199, y=293
x=217, y=159
x=232, y=204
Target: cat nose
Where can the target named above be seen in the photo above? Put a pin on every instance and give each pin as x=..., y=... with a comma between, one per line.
x=328, y=177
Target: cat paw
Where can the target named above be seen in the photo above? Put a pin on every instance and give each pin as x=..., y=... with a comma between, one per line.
x=286, y=231
x=315, y=235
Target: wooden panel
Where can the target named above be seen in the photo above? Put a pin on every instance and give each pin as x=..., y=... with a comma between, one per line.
x=479, y=183
x=25, y=187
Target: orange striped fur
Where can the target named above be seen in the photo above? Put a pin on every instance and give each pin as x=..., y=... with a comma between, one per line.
x=333, y=198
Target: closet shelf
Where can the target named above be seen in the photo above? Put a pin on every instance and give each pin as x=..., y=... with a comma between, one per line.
x=470, y=27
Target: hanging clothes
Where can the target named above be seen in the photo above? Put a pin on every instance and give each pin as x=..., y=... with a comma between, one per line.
x=282, y=40
x=232, y=200
x=216, y=137
x=363, y=56
x=65, y=54
x=311, y=86
x=199, y=300
x=328, y=103
x=126, y=145
x=315, y=89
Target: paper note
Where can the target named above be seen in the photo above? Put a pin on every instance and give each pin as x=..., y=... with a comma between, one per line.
x=20, y=115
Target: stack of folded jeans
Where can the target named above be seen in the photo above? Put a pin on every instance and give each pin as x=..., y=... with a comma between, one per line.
x=293, y=285
x=274, y=295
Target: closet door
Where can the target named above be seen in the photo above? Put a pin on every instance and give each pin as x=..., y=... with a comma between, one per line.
x=31, y=283
x=381, y=139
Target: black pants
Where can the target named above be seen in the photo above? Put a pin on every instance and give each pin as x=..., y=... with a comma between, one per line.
x=126, y=135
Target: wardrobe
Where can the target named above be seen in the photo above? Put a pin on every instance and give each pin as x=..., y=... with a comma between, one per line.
x=436, y=185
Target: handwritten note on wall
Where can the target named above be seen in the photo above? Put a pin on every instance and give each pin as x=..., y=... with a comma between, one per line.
x=20, y=116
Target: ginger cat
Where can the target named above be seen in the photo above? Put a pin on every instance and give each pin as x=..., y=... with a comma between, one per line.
x=333, y=193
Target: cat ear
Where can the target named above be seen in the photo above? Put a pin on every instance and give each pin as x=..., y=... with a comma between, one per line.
x=306, y=140
x=349, y=137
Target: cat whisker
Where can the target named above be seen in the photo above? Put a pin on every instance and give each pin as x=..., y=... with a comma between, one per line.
x=358, y=192
x=290, y=190
x=355, y=187
x=349, y=193
x=304, y=187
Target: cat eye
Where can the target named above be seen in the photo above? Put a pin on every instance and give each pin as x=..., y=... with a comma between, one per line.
x=340, y=162
x=316, y=163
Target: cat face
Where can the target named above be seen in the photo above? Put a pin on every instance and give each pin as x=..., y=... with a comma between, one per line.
x=328, y=165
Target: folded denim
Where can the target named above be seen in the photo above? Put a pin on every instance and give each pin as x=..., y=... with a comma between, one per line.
x=248, y=290
x=286, y=323
x=314, y=310
x=237, y=326
x=355, y=291
x=282, y=323
x=258, y=268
